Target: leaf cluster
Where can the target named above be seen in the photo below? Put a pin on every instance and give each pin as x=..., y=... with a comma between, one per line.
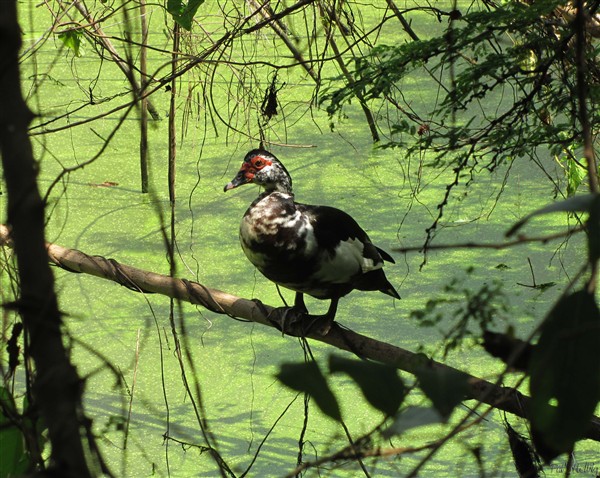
x=518, y=50
x=565, y=374
x=183, y=12
x=383, y=389
x=462, y=306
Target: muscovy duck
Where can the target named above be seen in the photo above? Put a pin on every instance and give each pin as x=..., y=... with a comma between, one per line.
x=316, y=250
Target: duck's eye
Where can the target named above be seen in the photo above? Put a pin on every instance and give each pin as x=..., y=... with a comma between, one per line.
x=259, y=162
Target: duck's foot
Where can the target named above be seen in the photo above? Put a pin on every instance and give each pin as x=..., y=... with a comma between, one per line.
x=319, y=324
x=288, y=320
x=296, y=320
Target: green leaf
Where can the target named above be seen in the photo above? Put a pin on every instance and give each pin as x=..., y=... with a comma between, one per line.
x=183, y=13
x=307, y=378
x=575, y=175
x=565, y=374
x=446, y=388
x=72, y=39
x=379, y=383
x=413, y=417
x=14, y=460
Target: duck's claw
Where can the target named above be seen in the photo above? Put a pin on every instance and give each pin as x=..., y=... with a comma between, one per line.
x=319, y=324
x=296, y=320
x=285, y=319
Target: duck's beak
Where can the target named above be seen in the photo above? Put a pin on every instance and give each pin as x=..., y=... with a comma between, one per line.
x=240, y=178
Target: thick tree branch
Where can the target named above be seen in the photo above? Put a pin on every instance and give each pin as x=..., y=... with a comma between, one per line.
x=502, y=398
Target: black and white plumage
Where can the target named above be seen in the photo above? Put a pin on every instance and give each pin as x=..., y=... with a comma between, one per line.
x=316, y=250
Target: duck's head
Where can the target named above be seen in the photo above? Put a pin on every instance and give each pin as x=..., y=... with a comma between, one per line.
x=262, y=168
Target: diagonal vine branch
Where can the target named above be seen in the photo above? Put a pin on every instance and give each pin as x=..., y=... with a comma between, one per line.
x=139, y=280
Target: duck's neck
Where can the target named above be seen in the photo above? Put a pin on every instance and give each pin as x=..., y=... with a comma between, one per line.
x=283, y=186
x=285, y=194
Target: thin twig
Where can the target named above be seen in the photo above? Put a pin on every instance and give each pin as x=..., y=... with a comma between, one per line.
x=521, y=240
x=131, y=391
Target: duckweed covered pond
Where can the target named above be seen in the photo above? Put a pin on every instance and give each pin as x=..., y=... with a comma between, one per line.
x=154, y=400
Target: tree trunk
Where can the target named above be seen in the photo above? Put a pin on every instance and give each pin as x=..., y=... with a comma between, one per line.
x=57, y=388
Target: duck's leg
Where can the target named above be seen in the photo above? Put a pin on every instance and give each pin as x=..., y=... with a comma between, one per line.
x=321, y=324
x=291, y=316
x=298, y=315
x=299, y=302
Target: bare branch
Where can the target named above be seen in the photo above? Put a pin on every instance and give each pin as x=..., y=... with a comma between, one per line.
x=501, y=245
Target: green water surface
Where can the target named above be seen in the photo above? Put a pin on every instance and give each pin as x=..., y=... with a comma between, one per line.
x=144, y=419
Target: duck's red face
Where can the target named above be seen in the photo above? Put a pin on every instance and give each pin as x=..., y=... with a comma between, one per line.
x=251, y=166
